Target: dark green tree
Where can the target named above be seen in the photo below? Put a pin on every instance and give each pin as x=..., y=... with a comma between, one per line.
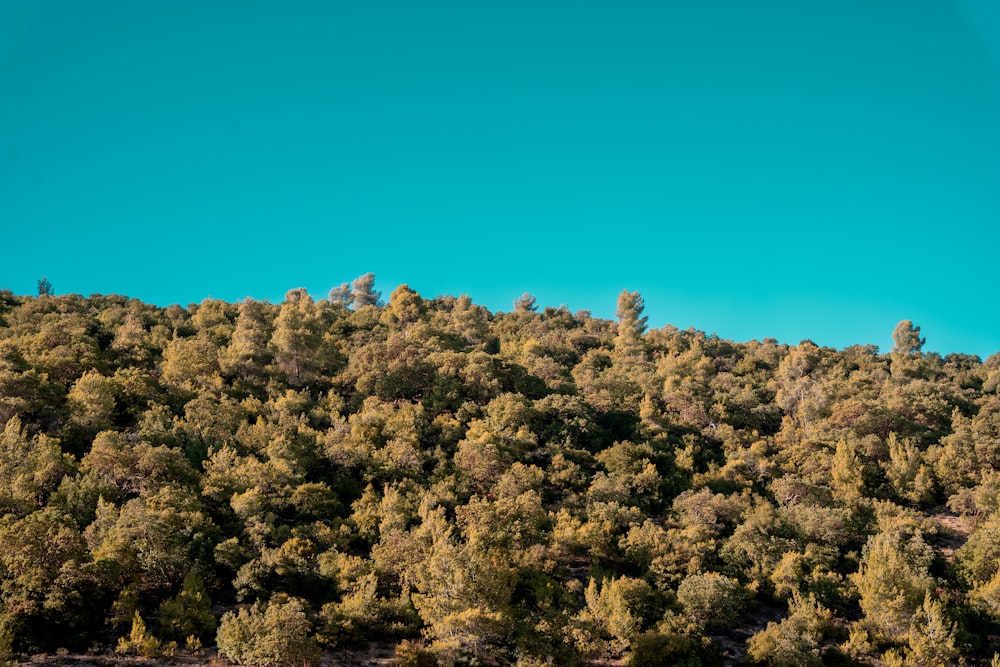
x=45, y=287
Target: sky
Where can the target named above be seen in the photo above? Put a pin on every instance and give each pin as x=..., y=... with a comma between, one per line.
x=797, y=170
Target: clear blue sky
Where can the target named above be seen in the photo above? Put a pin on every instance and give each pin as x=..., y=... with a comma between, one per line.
x=781, y=169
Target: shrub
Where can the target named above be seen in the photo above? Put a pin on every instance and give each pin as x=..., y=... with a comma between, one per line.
x=270, y=635
x=712, y=599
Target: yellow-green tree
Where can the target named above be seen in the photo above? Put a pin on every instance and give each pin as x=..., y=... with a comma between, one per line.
x=893, y=580
x=273, y=634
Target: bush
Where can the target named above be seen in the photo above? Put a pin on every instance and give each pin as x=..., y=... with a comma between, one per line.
x=141, y=642
x=413, y=654
x=190, y=613
x=796, y=640
x=654, y=649
x=713, y=599
x=271, y=635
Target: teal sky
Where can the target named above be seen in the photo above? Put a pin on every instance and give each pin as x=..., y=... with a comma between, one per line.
x=780, y=169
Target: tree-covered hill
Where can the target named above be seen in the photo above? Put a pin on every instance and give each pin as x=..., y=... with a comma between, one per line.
x=533, y=487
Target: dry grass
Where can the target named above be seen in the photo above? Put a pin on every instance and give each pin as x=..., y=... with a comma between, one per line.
x=379, y=654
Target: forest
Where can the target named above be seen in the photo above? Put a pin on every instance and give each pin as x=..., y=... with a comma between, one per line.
x=276, y=482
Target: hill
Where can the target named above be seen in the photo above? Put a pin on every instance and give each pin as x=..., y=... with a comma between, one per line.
x=532, y=487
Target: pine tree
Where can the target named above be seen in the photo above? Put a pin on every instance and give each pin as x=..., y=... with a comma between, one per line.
x=906, y=350
x=363, y=292
x=931, y=636
x=45, y=287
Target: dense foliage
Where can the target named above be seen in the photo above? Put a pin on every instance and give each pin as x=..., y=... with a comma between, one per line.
x=487, y=488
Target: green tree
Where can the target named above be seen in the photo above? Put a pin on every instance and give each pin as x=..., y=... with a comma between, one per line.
x=906, y=350
x=931, y=640
x=298, y=340
x=758, y=543
x=143, y=643
x=31, y=468
x=469, y=321
x=712, y=598
x=214, y=320
x=92, y=401
x=462, y=590
x=151, y=542
x=341, y=294
x=404, y=309
x=795, y=641
x=906, y=470
x=247, y=354
x=621, y=608
x=893, y=580
x=190, y=364
x=24, y=392
x=273, y=634
x=631, y=321
x=132, y=341
x=189, y=613
x=48, y=593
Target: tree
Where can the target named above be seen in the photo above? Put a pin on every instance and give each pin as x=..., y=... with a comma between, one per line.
x=247, y=354
x=712, y=598
x=893, y=580
x=141, y=642
x=906, y=339
x=45, y=595
x=92, y=401
x=151, y=542
x=906, y=471
x=431, y=467
x=631, y=321
x=30, y=469
x=978, y=561
x=274, y=634
x=620, y=608
x=462, y=590
x=932, y=636
x=298, y=339
x=404, y=309
x=341, y=294
x=846, y=472
x=758, y=543
x=632, y=369
x=468, y=320
x=190, y=612
x=363, y=291
x=906, y=350
x=24, y=391
x=131, y=335
x=795, y=641
x=190, y=363
x=525, y=304
x=214, y=320
x=45, y=287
